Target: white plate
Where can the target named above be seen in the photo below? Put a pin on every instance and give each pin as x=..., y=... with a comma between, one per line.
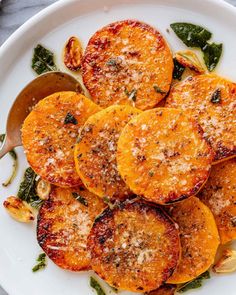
x=52, y=27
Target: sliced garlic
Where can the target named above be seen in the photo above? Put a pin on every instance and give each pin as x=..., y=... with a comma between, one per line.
x=190, y=60
x=43, y=189
x=227, y=262
x=18, y=209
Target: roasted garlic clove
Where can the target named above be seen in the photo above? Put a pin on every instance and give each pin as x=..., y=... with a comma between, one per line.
x=190, y=60
x=43, y=189
x=227, y=262
x=73, y=54
x=18, y=209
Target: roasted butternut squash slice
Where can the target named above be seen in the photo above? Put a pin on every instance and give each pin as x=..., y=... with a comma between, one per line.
x=64, y=222
x=219, y=194
x=127, y=62
x=49, y=134
x=95, y=154
x=134, y=247
x=199, y=239
x=212, y=101
x=163, y=156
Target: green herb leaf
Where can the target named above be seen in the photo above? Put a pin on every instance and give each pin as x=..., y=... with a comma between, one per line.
x=178, y=70
x=132, y=95
x=158, y=89
x=216, y=96
x=96, y=286
x=43, y=60
x=14, y=157
x=70, y=119
x=27, y=189
x=196, y=283
x=107, y=201
x=151, y=173
x=41, y=262
x=81, y=199
x=191, y=35
x=212, y=53
x=111, y=62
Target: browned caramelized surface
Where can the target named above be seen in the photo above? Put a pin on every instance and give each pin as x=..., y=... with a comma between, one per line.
x=49, y=141
x=212, y=101
x=95, y=154
x=199, y=239
x=219, y=194
x=125, y=62
x=163, y=156
x=134, y=247
x=166, y=289
x=64, y=224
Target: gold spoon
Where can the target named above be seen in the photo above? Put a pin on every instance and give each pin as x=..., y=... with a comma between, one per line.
x=36, y=90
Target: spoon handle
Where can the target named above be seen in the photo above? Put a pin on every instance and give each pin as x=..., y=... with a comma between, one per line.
x=5, y=148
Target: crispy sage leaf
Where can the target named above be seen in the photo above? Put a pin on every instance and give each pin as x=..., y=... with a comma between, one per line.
x=178, y=70
x=27, y=189
x=96, y=286
x=43, y=60
x=14, y=157
x=216, y=96
x=132, y=95
x=212, y=53
x=191, y=35
x=158, y=89
x=70, y=119
x=41, y=262
x=81, y=199
x=194, y=284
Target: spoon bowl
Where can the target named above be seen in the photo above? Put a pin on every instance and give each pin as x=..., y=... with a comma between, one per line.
x=36, y=90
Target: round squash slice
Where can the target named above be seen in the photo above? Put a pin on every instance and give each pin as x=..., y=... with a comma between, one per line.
x=163, y=156
x=134, y=247
x=212, y=101
x=95, y=154
x=127, y=62
x=64, y=222
x=198, y=236
x=219, y=194
x=49, y=135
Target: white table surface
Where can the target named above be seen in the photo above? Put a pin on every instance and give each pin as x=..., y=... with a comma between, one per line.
x=14, y=13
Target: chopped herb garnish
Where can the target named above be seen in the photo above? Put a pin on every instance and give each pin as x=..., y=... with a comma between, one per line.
x=14, y=157
x=70, y=119
x=81, y=199
x=158, y=89
x=151, y=173
x=43, y=60
x=132, y=95
x=212, y=53
x=27, y=189
x=216, y=96
x=41, y=262
x=233, y=221
x=96, y=286
x=191, y=35
x=111, y=62
x=196, y=283
x=107, y=201
x=178, y=70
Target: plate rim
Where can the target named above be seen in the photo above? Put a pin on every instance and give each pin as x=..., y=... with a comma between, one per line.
x=29, y=24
